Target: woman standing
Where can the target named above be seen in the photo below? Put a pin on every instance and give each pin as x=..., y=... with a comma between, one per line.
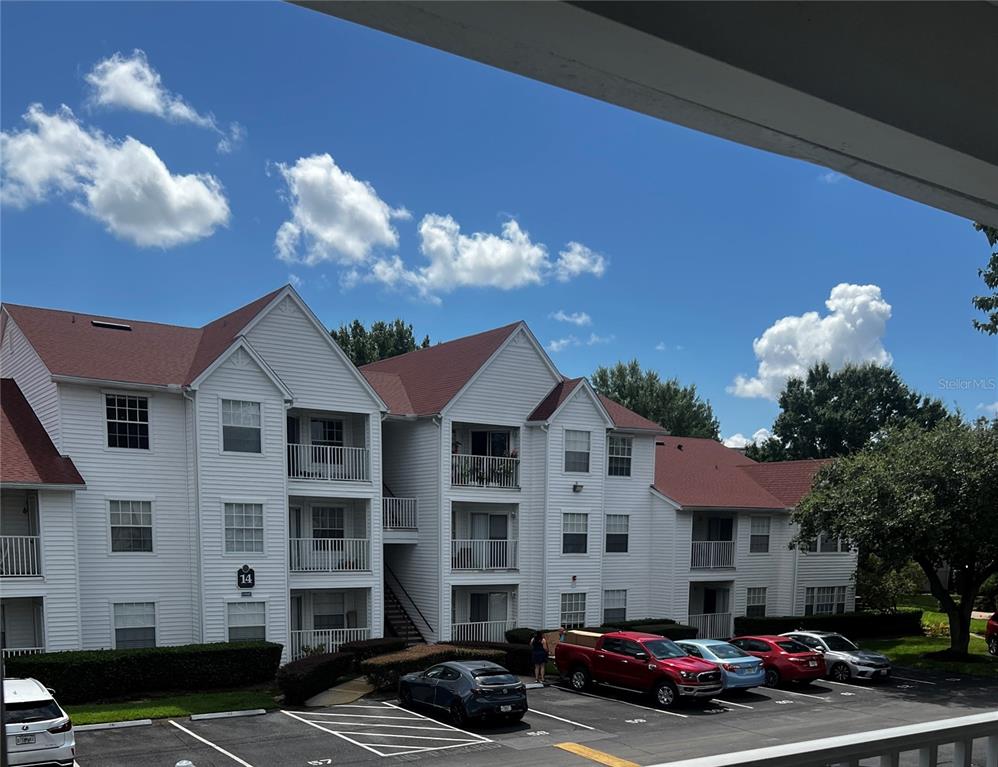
x=539, y=655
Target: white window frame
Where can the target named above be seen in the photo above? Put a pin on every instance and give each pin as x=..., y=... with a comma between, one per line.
x=811, y=595
x=753, y=534
x=624, y=449
x=266, y=613
x=263, y=526
x=148, y=397
x=579, y=609
x=613, y=595
x=589, y=452
x=611, y=519
x=756, y=600
x=815, y=544
x=155, y=621
x=564, y=531
x=108, y=500
x=221, y=427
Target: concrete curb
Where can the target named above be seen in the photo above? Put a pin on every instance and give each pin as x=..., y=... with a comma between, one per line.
x=228, y=714
x=113, y=725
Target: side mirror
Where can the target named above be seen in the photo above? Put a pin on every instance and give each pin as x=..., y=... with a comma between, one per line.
x=50, y=691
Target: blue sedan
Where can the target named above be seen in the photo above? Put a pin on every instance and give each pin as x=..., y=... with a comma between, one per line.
x=739, y=670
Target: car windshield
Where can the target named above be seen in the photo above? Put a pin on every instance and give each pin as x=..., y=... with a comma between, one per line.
x=31, y=711
x=838, y=643
x=791, y=645
x=494, y=676
x=664, y=648
x=727, y=651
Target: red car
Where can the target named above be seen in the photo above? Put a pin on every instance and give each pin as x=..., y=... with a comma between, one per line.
x=785, y=659
x=991, y=634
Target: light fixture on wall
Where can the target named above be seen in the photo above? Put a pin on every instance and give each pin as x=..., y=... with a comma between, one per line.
x=577, y=487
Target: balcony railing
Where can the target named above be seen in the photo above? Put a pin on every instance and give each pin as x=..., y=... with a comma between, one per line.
x=399, y=513
x=484, y=471
x=484, y=631
x=483, y=555
x=712, y=625
x=708, y=555
x=20, y=555
x=329, y=463
x=330, y=555
x=9, y=652
x=323, y=640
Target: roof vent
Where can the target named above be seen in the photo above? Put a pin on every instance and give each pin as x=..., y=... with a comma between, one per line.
x=110, y=325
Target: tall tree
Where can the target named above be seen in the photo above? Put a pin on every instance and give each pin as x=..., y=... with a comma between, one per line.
x=988, y=304
x=678, y=408
x=927, y=495
x=383, y=340
x=826, y=414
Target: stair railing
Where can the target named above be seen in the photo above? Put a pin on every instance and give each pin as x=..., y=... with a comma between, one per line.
x=408, y=605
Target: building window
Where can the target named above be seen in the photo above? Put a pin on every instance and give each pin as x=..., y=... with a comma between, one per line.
x=327, y=522
x=127, y=421
x=326, y=431
x=134, y=625
x=330, y=611
x=755, y=602
x=576, y=451
x=617, y=532
x=826, y=544
x=131, y=525
x=243, y=528
x=574, y=533
x=619, y=451
x=573, y=610
x=247, y=621
x=759, y=539
x=824, y=600
x=614, y=605
x=241, y=426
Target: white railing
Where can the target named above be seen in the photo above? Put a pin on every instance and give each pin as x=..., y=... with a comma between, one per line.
x=886, y=746
x=483, y=555
x=20, y=555
x=484, y=471
x=484, y=631
x=327, y=462
x=399, y=513
x=712, y=625
x=706, y=555
x=323, y=640
x=12, y=651
x=329, y=555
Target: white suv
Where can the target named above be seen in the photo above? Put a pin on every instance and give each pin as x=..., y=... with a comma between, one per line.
x=38, y=730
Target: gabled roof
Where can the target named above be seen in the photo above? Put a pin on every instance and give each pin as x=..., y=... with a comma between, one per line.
x=27, y=455
x=703, y=473
x=152, y=353
x=423, y=382
x=561, y=392
x=628, y=420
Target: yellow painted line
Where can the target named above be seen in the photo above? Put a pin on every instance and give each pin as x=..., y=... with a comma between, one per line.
x=596, y=756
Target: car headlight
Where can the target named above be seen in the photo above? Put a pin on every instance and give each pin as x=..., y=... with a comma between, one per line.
x=689, y=676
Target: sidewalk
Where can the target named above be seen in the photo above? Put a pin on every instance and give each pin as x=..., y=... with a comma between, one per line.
x=347, y=692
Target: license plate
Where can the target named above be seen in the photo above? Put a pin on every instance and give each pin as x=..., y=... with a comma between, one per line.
x=812, y=663
x=505, y=709
x=23, y=740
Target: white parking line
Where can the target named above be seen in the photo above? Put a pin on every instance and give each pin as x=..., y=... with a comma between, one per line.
x=561, y=719
x=481, y=738
x=622, y=702
x=803, y=694
x=728, y=703
x=352, y=716
x=847, y=684
x=207, y=742
x=332, y=732
x=920, y=681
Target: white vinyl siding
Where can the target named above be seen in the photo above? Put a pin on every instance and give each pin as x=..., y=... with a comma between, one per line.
x=247, y=621
x=20, y=361
x=134, y=625
x=617, y=528
x=573, y=610
x=577, y=451
x=619, y=449
x=614, y=605
x=824, y=600
x=243, y=528
x=131, y=526
x=241, y=426
x=759, y=540
x=574, y=533
x=755, y=601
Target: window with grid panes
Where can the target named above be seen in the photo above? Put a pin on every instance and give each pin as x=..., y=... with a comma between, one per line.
x=619, y=450
x=127, y=421
x=574, y=533
x=131, y=525
x=614, y=605
x=824, y=600
x=576, y=451
x=759, y=539
x=241, y=427
x=247, y=621
x=134, y=625
x=617, y=532
x=243, y=528
x=573, y=610
x=755, y=602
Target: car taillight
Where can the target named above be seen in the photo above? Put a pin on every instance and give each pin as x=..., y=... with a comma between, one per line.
x=64, y=727
x=729, y=666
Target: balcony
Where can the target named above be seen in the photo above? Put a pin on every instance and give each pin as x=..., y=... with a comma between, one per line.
x=329, y=463
x=399, y=514
x=712, y=555
x=323, y=640
x=329, y=555
x=477, y=554
x=484, y=471
x=20, y=556
x=481, y=631
x=712, y=625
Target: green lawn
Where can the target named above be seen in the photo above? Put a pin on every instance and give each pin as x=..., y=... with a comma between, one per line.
x=173, y=705
x=909, y=651
x=931, y=614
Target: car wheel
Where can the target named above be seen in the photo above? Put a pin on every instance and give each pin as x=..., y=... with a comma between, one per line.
x=666, y=695
x=458, y=715
x=772, y=677
x=993, y=645
x=405, y=696
x=580, y=679
x=841, y=672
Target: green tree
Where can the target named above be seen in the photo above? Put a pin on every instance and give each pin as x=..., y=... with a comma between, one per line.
x=881, y=585
x=988, y=304
x=923, y=495
x=678, y=408
x=383, y=340
x=826, y=414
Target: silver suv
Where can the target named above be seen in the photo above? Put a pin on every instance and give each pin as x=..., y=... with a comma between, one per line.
x=38, y=731
x=843, y=659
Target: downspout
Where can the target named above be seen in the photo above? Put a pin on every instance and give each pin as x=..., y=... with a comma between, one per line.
x=545, y=427
x=192, y=443
x=793, y=593
x=444, y=550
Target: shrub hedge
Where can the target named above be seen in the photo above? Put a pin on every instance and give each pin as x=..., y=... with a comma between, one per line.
x=853, y=625
x=384, y=671
x=300, y=679
x=94, y=675
x=517, y=656
x=363, y=649
x=634, y=623
x=669, y=630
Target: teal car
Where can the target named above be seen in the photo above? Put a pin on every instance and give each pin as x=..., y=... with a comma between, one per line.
x=739, y=670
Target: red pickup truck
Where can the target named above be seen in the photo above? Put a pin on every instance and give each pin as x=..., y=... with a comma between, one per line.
x=637, y=661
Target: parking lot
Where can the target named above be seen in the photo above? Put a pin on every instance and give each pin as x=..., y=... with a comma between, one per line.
x=562, y=728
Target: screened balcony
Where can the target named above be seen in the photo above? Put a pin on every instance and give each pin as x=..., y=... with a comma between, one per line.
x=330, y=447
x=485, y=456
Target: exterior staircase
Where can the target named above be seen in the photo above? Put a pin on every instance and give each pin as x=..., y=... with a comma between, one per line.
x=397, y=620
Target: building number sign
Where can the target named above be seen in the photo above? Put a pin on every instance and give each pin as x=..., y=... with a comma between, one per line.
x=245, y=577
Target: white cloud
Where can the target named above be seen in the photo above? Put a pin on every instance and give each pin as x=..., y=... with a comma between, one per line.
x=661, y=347
x=595, y=339
x=295, y=280
x=123, y=184
x=334, y=216
x=576, y=259
x=560, y=344
x=852, y=331
x=576, y=318
x=989, y=409
x=739, y=440
x=830, y=177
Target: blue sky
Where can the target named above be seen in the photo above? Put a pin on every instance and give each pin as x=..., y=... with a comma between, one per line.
x=687, y=247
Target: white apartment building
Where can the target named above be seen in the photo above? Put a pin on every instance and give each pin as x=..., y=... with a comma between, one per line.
x=166, y=485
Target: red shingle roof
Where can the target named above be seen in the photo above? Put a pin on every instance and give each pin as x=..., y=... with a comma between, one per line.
x=424, y=381
x=553, y=400
x=27, y=455
x=703, y=473
x=150, y=353
x=628, y=419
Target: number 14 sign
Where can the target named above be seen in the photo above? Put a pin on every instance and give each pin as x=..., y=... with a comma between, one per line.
x=245, y=577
